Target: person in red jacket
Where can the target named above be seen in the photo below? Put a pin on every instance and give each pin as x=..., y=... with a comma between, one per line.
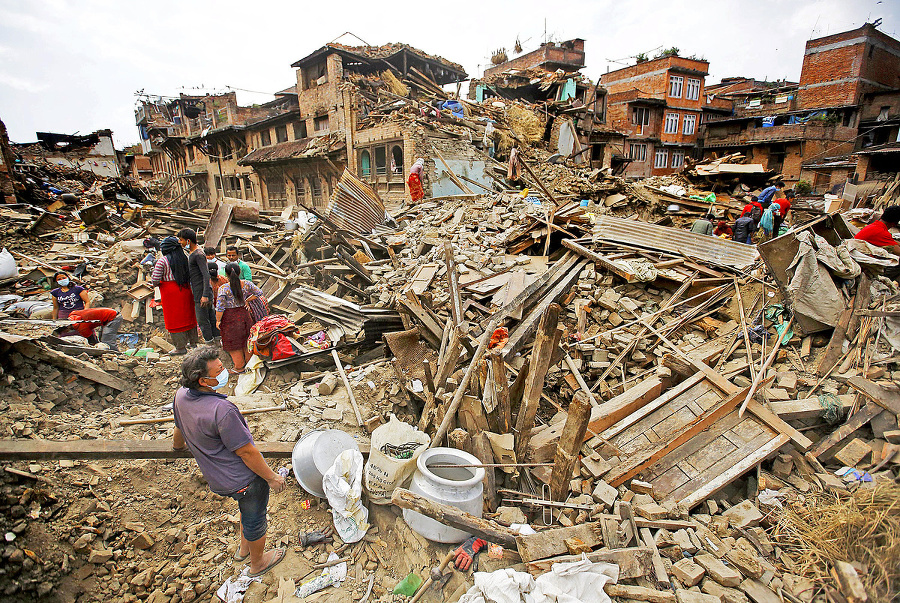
x=877, y=232
x=784, y=206
x=107, y=319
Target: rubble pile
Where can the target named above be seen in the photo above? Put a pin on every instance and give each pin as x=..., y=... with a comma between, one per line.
x=636, y=394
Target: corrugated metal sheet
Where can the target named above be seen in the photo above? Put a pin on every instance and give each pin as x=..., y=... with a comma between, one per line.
x=331, y=310
x=354, y=206
x=674, y=240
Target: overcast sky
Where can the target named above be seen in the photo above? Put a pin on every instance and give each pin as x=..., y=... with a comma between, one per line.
x=75, y=66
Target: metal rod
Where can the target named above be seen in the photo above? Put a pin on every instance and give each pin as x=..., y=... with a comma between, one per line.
x=492, y=465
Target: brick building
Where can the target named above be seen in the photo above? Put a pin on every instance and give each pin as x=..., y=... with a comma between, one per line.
x=299, y=158
x=657, y=104
x=807, y=131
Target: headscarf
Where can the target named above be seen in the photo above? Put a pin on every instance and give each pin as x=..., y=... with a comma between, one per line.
x=178, y=262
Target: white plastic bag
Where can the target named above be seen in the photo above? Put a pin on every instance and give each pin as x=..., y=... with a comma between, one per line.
x=8, y=268
x=343, y=488
x=385, y=473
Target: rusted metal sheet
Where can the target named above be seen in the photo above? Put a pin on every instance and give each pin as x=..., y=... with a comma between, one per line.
x=354, y=206
x=674, y=240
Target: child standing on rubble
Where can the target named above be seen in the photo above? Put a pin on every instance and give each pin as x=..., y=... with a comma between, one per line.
x=67, y=297
x=234, y=304
x=172, y=275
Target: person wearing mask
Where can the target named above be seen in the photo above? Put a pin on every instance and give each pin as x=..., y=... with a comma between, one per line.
x=744, y=227
x=89, y=319
x=233, y=314
x=172, y=275
x=703, y=225
x=199, y=273
x=211, y=260
x=67, y=297
x=784, y=206
x=217, y=435
x=768, y=194
x=232, y=255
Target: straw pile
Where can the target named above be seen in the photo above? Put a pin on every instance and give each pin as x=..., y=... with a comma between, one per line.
x=395, y=85
x=525, y=123
x=864, y=528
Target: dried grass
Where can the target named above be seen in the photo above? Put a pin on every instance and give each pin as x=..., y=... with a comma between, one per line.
x=525, y=123
x=395, y=85
x=863, y=528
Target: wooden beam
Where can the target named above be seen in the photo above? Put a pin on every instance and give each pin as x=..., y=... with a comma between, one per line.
x=83, y=368
x=453, y=284
x=46, y=450
x=833, y=350
x=541, y=353
x=887, y=399
x=807, y=408
x=633, y=562
x=569, y=445
x=500, y=383
x=638, y=462
x=859, y=418
x=548, y=543
x=455, y=518
x=611, y=265
x=659, y=568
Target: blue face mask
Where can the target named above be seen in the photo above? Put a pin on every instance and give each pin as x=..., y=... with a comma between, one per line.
x=63, y=282
x=221, y=379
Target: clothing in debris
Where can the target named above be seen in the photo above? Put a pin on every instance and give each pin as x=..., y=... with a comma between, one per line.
x=213, y=428
x=744, y=227
x=69, y=299
x=877, y=233
x=702, y=226
x=722, y=228
x=107, y=319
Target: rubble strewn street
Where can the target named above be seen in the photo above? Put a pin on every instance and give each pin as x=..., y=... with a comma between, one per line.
x=497, y=316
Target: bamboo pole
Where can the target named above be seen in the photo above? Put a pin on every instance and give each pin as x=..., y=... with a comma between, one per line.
x=762, y=371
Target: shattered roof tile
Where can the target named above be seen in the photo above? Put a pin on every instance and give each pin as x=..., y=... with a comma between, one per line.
x=383, y=52
x=317, y=146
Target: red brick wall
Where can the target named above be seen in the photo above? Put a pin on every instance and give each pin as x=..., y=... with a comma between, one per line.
x=545, y=54
x=876, y=57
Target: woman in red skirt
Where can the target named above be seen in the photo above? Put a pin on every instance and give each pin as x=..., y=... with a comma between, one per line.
x=171, y=275
x=239, y=305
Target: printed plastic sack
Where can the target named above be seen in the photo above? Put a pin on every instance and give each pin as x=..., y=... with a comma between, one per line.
x=8, y=268
x=343, y=488
x=384, y=470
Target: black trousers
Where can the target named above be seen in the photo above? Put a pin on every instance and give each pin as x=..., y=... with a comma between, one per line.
x=206, y=319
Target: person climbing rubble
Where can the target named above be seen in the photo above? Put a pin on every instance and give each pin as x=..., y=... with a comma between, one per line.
x=89, y=319
x=217, y=435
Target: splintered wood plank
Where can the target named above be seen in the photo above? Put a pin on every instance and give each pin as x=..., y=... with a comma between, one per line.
x=650, y=408
x=669, y=480
x=673, y=423
x=637, y=444
x=696, y=443
x=722, y=465
x=548, y=543
x=633, y=466
x=26, y=450
x=735, y=471
x=669, y=406
x=702, y=460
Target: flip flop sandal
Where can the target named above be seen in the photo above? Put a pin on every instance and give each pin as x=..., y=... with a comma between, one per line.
x=280, y=554
x=236, y=372
x=240, y=558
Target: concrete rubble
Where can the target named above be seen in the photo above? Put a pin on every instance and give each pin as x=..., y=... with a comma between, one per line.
x=642, y=404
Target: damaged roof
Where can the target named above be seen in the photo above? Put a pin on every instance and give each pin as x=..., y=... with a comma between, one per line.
x=318, y=146
x=383, y=52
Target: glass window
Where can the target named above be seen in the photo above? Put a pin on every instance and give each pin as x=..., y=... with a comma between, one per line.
x=675, y=84
x=365, y=164
x=265, y=139
x=671, y=126
x=690, y=124
x=281, y=133
x=637, y=152
x=661, y=159
x=677, y=159
x=640, y=116
x=321, y=123
x=692, y=90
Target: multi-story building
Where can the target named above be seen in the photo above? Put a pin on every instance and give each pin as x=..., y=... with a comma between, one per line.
x=657, y=104
x=807, y=131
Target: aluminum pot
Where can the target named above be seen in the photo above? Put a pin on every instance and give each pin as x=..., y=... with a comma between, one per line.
x=314, y=454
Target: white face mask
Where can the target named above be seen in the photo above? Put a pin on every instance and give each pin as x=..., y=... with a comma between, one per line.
x=63, y=282
x=221, y=379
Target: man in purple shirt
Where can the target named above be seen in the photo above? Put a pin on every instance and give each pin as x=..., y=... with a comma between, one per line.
x=216, y=433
